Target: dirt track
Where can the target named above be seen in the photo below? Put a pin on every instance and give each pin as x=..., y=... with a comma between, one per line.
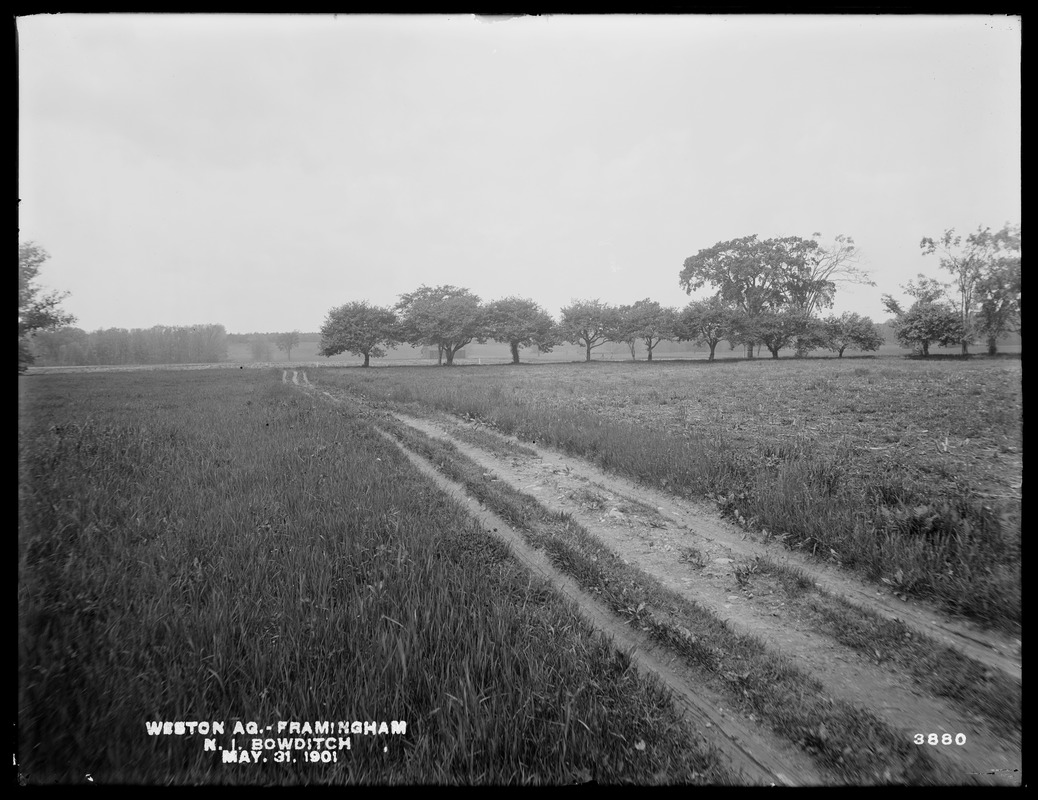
x=652, y=530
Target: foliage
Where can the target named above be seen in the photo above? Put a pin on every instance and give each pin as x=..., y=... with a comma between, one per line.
x=587, y=322
x=924, y=289
x=37, y=310
x=824, y=267
x=645, y=320
x=359, y=328
x=261, y=347
x=160, y=344
x=932, y=318
x=708, y=322
x=925, y=323
x=61, y=345
x=850, y=330
x=520, y=322
x=286, y=341
x=780, y=329
x=998, y=291
x=756, y=275
x=448, y=317
x=972, y=261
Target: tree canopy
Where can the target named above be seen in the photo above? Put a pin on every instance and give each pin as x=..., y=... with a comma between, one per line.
x=755, y=275
x=926, y=323
x=520, y=322
x=982, y=265
x=286, y=341
x=359, y=328
x=448, y=317
x=707, y=321
x=850, y=330
x=824, y=267
x=646, y=320
x=586, y=322
x=37, y=310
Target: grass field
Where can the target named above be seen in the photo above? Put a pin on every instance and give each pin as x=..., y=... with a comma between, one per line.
x=211, y=546
x=217, y=545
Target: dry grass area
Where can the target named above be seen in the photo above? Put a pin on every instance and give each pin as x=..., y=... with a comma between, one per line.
x=951, y=425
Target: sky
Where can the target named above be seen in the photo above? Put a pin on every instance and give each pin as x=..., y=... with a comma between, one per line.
x=258, y=170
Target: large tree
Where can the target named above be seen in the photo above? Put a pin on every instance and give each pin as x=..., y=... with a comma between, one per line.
x=998, y=291
x=520, y=322
x=926, y=321
x=286, y=341
x=37, y=310
x=757, y=275
x=359, y=328
x=970, y=260
x=447, y=317
x=780, y=329
x=823, y=268
x=850, y=330
x=709, y=322
x=587, y=322
x=619, y=328
x=647, y=321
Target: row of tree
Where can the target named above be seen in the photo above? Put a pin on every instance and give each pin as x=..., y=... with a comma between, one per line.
x=449, y=318
x=767, y=292
x=161, y=344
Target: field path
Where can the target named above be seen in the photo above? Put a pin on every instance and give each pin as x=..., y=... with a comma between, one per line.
x=655, y=531
x=759, y=759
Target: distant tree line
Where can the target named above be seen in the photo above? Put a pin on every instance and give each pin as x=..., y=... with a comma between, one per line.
x=766, y=293
x=161, y=344
x=261, y=345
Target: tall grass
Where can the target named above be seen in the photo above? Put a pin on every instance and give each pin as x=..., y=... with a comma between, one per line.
x=842, y=466
x=215, y=547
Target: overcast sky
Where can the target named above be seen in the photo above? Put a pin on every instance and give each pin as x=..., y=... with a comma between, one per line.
x=257, y=170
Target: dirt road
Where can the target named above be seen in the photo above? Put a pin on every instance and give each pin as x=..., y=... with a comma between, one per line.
x=657, y=532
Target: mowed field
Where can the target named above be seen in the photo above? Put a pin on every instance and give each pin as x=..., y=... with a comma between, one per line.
x=521, y=564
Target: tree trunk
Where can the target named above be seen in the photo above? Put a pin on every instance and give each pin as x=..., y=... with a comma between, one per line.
x=713, y=346
x=588, y=343
x=926, y=348
x=749, y=350
x=650, y=352
x=840, y=351
x=439, y=355
x=367, y=359
x=450, y=356
x=992, y=345
x=965, y=348
x=630, y=346
x=515, y=352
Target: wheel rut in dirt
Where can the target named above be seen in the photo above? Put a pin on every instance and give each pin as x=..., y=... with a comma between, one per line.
x=654, y=529
x=748, y=753
x=651, y=530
